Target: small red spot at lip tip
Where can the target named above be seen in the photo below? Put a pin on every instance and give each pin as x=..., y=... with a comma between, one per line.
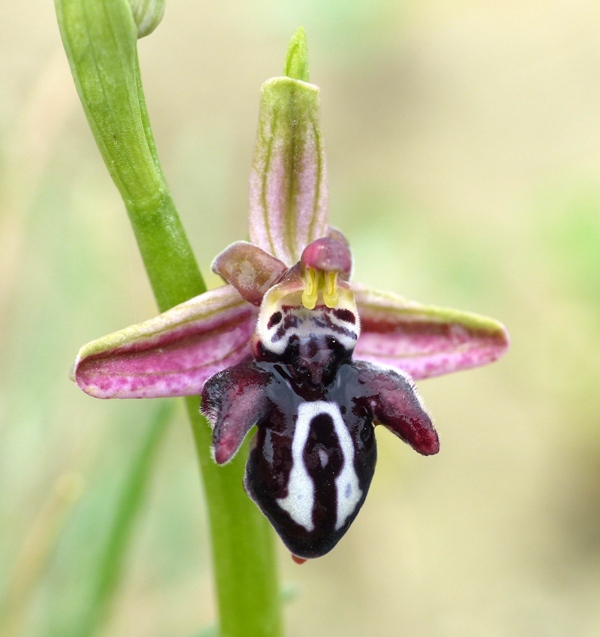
x=298, y=560
x=222, y=455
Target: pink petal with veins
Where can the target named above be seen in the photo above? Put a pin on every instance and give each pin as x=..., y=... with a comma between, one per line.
x=422, y=340
x=172, y=354
x=288, y=182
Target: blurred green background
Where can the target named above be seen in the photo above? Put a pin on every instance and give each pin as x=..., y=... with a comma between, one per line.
x=463, y=144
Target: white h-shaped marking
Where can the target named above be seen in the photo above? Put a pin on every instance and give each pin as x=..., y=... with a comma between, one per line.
x=301, y=489
x=307, y=327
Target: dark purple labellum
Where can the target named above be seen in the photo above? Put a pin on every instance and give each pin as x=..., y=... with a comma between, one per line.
x=314, y=453
x=312, y=460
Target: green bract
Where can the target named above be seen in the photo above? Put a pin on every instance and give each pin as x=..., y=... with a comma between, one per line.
x=296, y=60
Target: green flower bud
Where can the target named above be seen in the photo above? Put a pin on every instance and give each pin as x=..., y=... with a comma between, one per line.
x=296, y=59
x=147, y=15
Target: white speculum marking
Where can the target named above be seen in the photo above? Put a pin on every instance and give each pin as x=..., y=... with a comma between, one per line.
x=300, y=500
x=310, y=324
x=301, y=490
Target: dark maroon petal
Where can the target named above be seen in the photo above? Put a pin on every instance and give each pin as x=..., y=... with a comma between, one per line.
x=396, y=405
x=249, y=269
x=234, y=400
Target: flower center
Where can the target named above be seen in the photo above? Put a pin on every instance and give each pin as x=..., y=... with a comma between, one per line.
x=309, y=320
x=319, y=282
x=311, y=315
x=321, y=263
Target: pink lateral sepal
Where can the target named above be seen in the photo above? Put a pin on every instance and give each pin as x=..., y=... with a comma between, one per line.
x=172, y=354
x=422, y=340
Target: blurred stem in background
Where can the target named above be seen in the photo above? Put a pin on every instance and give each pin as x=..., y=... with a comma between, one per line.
x=100, y=38
x=36, y=551
x=111, y=559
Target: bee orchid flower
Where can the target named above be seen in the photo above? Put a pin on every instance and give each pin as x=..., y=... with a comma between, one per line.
x=291, y=346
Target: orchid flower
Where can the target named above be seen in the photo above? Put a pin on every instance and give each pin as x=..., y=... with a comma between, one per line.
x=290, y=345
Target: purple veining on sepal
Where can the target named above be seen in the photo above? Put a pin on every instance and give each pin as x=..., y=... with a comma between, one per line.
x=328, y=255
x=249, y=269
x=172, y=354
x=424, y=341
x=288, y=184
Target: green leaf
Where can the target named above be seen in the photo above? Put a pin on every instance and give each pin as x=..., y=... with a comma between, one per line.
x=100, y=38
x=107, y=576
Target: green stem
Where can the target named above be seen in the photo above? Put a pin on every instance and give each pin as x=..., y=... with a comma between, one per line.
x=100, y=41
x=243, y=544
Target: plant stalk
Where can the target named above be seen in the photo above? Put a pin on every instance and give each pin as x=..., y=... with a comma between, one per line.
x=100, y=41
